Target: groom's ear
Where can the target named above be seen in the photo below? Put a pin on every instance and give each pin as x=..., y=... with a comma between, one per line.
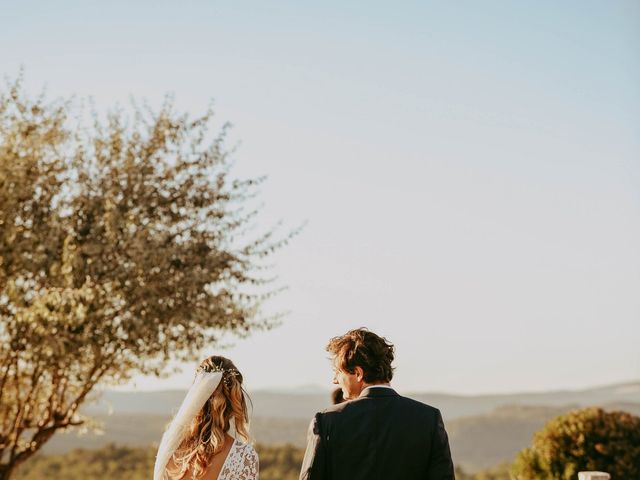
x=359, y=373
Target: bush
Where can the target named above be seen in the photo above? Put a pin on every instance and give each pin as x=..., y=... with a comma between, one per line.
x=587, y=439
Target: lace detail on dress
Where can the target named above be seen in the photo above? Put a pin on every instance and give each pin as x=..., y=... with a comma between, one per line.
x=241, y=463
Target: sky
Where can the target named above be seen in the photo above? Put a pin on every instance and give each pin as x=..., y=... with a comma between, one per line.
x=469, y=172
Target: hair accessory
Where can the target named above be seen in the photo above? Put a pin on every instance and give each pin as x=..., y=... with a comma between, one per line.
x=210, y=368
x=228, y=374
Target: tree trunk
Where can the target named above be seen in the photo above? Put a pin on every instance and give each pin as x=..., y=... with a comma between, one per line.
x=8, y=469
x=5, y=471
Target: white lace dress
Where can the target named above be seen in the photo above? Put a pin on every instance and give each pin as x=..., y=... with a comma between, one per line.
x=241, y=463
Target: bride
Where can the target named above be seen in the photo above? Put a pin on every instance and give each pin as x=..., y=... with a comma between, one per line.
x=197, y=444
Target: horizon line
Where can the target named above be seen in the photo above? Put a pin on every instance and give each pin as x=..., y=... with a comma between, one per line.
x=316, y=388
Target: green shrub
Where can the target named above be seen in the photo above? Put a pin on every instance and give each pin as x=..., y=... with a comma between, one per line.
x=587, y=439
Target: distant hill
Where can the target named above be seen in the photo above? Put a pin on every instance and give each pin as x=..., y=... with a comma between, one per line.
x=455, y=406
x=484, y=430
x=137, y=430
x=303, y=405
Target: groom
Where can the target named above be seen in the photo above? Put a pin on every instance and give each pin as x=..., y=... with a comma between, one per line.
x=375, y=433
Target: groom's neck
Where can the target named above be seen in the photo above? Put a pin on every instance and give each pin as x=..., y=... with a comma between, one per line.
x=376, y=384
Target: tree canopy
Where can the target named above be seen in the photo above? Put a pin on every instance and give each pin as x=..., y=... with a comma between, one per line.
x=124, y=243
x=589, y=439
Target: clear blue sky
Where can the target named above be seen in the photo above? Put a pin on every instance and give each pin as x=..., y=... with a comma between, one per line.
x=470, y=171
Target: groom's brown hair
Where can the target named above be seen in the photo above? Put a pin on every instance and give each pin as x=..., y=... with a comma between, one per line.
x=364, y=349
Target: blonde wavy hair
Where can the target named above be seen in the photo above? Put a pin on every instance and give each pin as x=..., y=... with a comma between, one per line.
x=205, y=436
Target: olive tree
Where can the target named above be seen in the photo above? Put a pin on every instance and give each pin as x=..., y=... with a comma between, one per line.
x=124, y=243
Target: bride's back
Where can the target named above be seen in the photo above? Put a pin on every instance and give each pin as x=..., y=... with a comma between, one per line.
x=205, y=450
x=241, y=463
x=213, y=469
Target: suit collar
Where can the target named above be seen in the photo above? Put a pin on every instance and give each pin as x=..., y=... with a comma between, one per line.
x=375, y=391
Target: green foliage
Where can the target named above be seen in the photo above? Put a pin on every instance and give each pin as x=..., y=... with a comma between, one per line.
x=123, y=245
x=499, y=472
x=280, y=462
x=128, y=463
x=110, y=462
x=277, y=462
x=583, y=440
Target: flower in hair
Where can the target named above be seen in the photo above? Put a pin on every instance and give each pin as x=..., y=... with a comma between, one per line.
x=227, y=373
x=230, y=374
x=211, y=368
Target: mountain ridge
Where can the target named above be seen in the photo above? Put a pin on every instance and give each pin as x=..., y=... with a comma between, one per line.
x=273, y=404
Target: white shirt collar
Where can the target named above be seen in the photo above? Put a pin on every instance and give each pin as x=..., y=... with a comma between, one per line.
x=374, y=386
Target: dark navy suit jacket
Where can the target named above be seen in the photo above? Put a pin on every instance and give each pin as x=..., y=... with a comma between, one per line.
x=379, y=435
